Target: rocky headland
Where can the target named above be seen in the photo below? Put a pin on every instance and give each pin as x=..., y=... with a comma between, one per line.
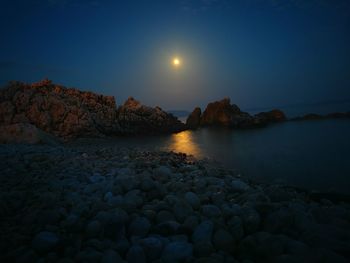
x=223, y=113
x=69, y=113
x=87, y=203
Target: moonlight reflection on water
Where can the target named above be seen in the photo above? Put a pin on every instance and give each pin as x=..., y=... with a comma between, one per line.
x=184, y=142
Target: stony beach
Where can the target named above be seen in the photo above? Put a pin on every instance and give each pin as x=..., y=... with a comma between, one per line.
x=85, y=202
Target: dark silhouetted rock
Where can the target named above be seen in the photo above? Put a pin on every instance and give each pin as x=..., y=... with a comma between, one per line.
x=194, y=119
x=135, y=118
x=223, y=113
x=271, y=116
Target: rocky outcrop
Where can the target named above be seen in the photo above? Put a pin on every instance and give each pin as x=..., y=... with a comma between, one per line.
x=223, y=113
x=63, y=112
x=135, y=118
x=194, y=119
x=68, y=112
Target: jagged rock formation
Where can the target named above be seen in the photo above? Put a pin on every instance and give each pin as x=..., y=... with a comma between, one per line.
x=69, y=113
x=223, y=113
x=194, y=119
x=63, y=112
x=135, y=118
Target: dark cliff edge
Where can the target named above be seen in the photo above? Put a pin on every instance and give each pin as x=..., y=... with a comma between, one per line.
x=32, y=112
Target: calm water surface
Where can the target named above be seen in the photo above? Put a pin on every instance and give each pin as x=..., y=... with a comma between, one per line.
x=308, y=154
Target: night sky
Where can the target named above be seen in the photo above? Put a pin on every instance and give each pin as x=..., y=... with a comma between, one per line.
x=258, y=52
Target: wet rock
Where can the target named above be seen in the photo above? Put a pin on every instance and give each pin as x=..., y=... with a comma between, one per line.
x=45, y=241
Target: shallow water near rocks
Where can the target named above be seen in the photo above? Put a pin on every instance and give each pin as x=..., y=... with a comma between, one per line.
x=310, y=154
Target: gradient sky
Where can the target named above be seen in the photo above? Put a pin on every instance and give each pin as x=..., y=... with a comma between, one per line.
x=258, y=52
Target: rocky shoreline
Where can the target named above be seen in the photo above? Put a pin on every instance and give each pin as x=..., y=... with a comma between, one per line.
x=84, y=203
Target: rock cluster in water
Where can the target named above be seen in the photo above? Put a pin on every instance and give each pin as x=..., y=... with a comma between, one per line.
x=223, y=113
x=87, y=203
x=68, y=113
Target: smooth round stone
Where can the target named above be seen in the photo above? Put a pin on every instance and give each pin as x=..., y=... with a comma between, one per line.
x=177, y=251
x=93, y=228
x=139, y=227
x=45, y=241
x=152, y=246
x=136, y=255
x=203, y=232
x=211, y=211
x=111, y=256
x=193, y=200
x=223, y=240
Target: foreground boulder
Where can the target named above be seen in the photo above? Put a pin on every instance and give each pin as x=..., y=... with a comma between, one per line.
x=69, y=113
x=135, y=118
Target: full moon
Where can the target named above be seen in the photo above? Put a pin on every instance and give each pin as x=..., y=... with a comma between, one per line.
x=176, y=62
